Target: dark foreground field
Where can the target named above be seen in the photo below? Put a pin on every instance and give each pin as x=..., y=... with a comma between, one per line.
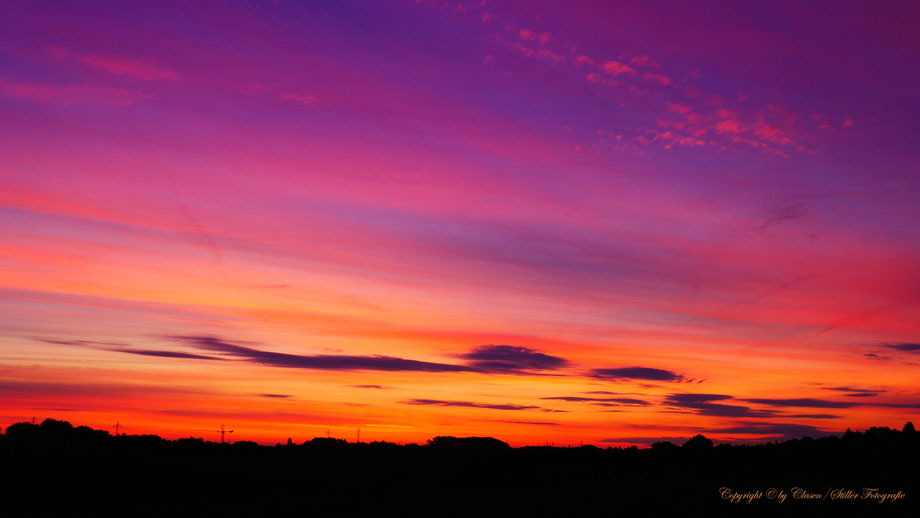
x=54, y=467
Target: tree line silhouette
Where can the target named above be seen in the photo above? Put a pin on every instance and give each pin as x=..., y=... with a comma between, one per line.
x=54, y=465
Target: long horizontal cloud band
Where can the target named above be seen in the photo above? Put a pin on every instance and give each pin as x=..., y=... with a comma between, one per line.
x=482, y=359
x=321, y=361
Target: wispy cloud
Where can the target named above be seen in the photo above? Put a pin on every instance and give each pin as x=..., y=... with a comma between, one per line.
x=618, y=401
x=616, y=68
x=128, y=67
x=79, y=93
x=296, y=97
x=784, y=430
x=705, y=404
x=116, y=64
x=905, y=347
x=533, y=423
x=125, y=348
x=802, y=402
x=165, y=354
x=437, y=402
x=646, y=440
x=856, y=391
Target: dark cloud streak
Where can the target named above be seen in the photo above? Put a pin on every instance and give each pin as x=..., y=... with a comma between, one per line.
x=802, y=402
x=598, y=400
x=637, y=373
x=509, y=358
x=320, y=362
x=703, y=404
x=437, y=402
x=165, y=354
x=903, y=347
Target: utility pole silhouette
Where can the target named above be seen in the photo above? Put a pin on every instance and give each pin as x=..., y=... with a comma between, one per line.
x=327, y=433
x=359, y=435
x=222, y=432
x=33, y=419
x=117, y=427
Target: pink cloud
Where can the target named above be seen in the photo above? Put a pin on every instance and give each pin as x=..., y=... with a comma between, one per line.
x=297, y=98
x=284, y=95
x=847, y=123
x=529, y=35
x=661, y=79
x=523, y=49
x=114, y=64
x=616, y=68
x=127, y=67
x=770, y=133
x=549, y=55
x=669, y=139
x=729, y=126
x=68, y=94
x=531, y=52
x=687, y=141
x=639, y=60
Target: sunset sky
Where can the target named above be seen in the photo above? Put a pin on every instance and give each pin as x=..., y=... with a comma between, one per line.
x=547, y=222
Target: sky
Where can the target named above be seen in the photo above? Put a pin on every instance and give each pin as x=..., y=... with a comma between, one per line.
x=580, y=222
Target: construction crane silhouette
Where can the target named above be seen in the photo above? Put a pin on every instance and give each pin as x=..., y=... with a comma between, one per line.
x=222, y=432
